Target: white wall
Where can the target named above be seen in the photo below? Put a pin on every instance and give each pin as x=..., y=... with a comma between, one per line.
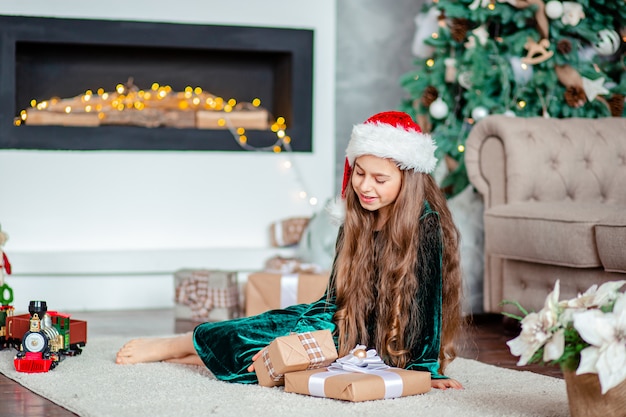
x=127, y=220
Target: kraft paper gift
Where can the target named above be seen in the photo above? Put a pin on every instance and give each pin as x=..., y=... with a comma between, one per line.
x=359, y=376
x=356, y=386
x=297, y=352
x=269, y=291
x=287, y=232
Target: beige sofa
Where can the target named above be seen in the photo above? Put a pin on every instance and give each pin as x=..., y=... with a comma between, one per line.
x=554, y=193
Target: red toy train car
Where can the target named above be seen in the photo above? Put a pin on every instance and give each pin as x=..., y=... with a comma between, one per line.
x=43, y=338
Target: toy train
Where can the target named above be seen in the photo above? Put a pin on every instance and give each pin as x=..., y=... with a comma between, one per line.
x=43, y=338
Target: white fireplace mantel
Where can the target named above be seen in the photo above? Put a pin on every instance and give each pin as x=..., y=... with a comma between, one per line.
x=94, y=220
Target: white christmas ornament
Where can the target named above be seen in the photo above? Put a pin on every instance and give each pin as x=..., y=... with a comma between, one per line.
x=509, y=113
x=465, y=80
x=438, y=109
x=479, y=112
x=594, y=88
x=522, y=72
x=554, y=9
x=608, y=42
x=572, y=13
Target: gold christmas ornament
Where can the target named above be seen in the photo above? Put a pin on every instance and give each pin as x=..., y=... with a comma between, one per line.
x=360, y=353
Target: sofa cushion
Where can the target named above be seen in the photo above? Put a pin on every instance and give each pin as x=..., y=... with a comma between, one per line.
x=555, y=233
x=611, y=241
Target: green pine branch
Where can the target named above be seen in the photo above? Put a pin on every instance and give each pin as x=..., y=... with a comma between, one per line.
x=485, y=77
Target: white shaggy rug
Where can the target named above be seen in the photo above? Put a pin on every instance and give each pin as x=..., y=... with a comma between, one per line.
x=92, y=385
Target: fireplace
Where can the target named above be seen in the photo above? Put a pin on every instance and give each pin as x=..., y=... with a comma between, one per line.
x=42, y=58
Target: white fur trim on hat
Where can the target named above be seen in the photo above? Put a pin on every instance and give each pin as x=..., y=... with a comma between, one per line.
x=409, y=148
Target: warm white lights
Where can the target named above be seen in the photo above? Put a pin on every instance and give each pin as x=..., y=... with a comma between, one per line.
x=212, y=112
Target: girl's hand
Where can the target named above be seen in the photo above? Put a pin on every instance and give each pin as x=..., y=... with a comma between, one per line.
x=254, y=358
x=445, y=383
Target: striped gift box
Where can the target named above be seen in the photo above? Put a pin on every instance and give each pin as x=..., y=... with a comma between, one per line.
x=206, y=295
x=296, y=352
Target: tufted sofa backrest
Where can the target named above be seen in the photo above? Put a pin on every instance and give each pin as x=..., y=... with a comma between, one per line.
x=577, y=159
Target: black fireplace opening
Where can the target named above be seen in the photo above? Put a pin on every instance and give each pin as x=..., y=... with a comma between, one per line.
x=42, y=58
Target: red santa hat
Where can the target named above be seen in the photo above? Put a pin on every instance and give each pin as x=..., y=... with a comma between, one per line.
x=393, y=135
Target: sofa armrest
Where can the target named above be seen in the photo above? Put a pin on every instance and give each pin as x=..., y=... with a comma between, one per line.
x=485, y=165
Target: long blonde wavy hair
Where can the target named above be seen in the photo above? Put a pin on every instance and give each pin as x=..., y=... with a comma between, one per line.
x=392, y=300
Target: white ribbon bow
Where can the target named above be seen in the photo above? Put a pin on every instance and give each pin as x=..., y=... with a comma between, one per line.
x=359, y=360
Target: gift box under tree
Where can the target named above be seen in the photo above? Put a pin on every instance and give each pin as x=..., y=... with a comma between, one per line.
x=206, y=295
x=269, y=291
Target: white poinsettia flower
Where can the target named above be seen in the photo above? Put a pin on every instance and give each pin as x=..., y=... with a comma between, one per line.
x=538, y=330
x=606, y=335
x=531, y=338
x=555, y=347
x=607, y=293
x=595, y=296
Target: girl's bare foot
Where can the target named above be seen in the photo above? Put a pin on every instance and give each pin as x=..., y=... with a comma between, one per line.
x=156, y=350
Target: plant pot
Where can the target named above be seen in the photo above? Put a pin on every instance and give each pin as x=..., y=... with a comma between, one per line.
x=586, y=400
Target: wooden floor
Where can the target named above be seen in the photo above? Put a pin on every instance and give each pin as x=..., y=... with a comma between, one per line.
x=485, y=341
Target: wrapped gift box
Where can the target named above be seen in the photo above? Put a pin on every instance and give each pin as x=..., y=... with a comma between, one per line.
x=297, y=352
x=206, y=295
x=357, y=386
x=268, y=291
x=287, y=232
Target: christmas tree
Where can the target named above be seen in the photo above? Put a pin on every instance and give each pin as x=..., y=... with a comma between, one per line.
x=521, y=58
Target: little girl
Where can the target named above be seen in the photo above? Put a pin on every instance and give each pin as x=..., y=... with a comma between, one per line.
x=395, y=284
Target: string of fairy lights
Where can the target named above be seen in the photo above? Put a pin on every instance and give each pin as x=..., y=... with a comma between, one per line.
x=128, y=97
x=283, y=141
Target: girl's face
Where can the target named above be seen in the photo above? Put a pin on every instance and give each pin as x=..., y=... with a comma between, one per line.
x=377, y=183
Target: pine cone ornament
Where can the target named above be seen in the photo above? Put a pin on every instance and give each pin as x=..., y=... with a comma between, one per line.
x=564, y=46
x=575, y=96
x=616, y=104
x=430, y=94
x=459, y=28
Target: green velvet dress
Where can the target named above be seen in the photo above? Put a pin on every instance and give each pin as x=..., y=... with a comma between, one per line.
x=227, y=347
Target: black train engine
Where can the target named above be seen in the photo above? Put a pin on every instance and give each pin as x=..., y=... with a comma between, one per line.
x=47, y=340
